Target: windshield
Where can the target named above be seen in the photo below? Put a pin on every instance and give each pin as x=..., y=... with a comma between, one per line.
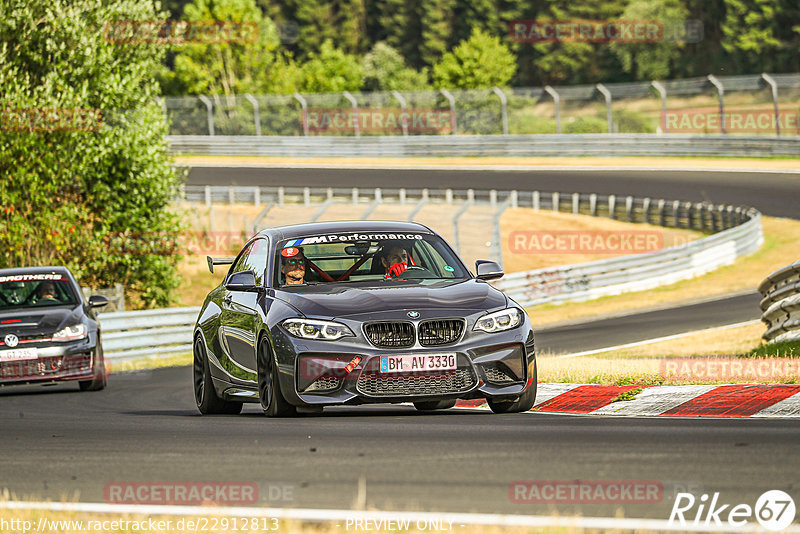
x=382, y=257
x=35, y=291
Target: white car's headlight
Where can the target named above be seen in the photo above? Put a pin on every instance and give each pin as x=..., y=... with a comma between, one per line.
x=499, y=321
x=70, y=333
x=316, y=329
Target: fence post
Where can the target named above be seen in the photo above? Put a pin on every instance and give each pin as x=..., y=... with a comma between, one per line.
x=231, y=195
x=504, y=108
x=774, y=86
x=402, y=195
x=593, y=204
x=612, y=207
x=207, y=193
x=663, y=92
x=721, y=96
x=304, y=114
x=607, y=95
x=403, y=114
x=676, y=207
x=256, y=115
x=450, y=98
x=629, y=208
x=646, y=209
x=576, y=203
x=448, y=196
x=536, y=201
x=464, y=207
x=210, y=110
x=355, y=196
x=281, y=195
x=514, y=198
x=661, y=215
x=556, y=201
x=353, y=102
x=257, y=195
x=493, y=198
x=557, y=103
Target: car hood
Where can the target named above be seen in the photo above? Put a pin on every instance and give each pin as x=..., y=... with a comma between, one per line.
x=340, y=300
x=34, y=321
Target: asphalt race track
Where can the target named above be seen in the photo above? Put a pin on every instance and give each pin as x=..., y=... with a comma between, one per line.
x=774, y=194
x=59, y=442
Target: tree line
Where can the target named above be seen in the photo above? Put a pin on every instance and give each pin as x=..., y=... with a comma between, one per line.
x=335, y=45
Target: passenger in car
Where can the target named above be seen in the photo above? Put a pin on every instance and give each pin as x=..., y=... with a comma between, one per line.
x=293, y=265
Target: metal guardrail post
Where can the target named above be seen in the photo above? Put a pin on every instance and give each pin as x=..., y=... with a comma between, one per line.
x=504, y=108
x=231, y=195
x=306, y=196
x=464, y=207
x=662, y=91
x=402, y=195
x=721, y=96
x=450, y=98
x=281, y=195
x=207, y=194
x=607, y=95
x=612, y=206
x=256, y=115
x=774, y=86
x=493, y=198
x=256, y=196
x=400, y=98
x=210, y=111
x=557, y=104
x=304, y=111
x=646, y=210
x=576, y=203
x=352, y=99
x=556, y=201
x=355, y=196
x=629, y=208
x=448, y=196
x=536, y=201
x=422, y=201
x=593, y=204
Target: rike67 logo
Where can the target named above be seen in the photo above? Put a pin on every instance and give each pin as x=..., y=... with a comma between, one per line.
x=774, y=510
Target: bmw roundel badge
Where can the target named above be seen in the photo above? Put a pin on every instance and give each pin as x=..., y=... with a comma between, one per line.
x=413, y=315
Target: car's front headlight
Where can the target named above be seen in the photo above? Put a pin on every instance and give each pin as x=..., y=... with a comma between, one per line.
x=499, y=321
x=316, y=329
x=70, y=333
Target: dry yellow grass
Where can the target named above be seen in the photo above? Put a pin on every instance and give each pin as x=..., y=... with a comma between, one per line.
x=645, y=364
x=781, y=246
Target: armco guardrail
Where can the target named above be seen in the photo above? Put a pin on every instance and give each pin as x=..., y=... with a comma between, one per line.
x=136, y=334
x=489, y=145
x=634, y=273
x=781, y=304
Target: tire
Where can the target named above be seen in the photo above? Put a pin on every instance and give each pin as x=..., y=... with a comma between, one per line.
x=205, y=396
x=522, y=404
x=98, y=381
x=269, y=388
x=429, y=406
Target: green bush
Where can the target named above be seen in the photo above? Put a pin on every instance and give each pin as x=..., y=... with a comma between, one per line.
x=584, y=125
x=77, y=193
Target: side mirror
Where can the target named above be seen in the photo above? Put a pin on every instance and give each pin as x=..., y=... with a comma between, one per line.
x=242, y=281
x=488, y=270
x=97, y=301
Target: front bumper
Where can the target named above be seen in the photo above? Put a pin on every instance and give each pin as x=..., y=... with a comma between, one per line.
x=54, y=362
x=488, y=365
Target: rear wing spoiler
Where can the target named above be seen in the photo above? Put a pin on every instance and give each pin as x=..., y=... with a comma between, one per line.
x=218, y=261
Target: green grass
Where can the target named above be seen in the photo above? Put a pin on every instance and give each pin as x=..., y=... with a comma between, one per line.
x=627, y=395
x=785, y=349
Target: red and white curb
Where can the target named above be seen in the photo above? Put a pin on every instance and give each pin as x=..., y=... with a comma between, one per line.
x=731, y=400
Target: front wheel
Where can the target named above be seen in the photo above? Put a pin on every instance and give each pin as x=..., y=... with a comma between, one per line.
x=269, y=388
x=524, y=403
x=98, y=380
x=205, y=396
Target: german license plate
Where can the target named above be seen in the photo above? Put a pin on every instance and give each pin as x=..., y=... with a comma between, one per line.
x=413, y=363
x=14, y=355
